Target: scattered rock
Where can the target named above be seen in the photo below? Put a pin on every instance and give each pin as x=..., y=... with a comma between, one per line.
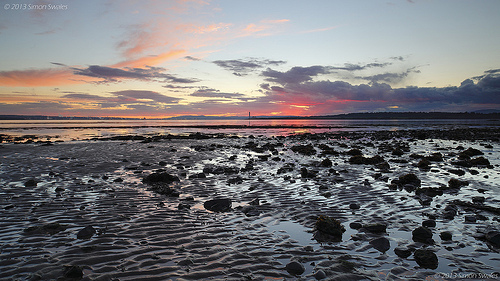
x=411, y=179
x=218, y=205
x=304, y=149
x=422, y=234
x=470, y=218
x=470, y=152
x=328, y=229
x=30, y=183
x=355, y=225
x=426, y=258
x=359, y=159
x=493, y=237
x=354, y=206
x=381, y=244
x=326, y=163
x=429, y=223
x=160, y=178
x=235, y=180
x=375, y=227
x=354, y=152
x=51, y=228
x=403, y=252
x=250, y=211
x=86, y=233
x=424, y=164
x=445, y=235
x=319, y=275
x=456, y=184
x=295, y=268
x=305, y=173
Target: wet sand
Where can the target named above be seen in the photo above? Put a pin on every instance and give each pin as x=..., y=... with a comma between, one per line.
x=278, y=187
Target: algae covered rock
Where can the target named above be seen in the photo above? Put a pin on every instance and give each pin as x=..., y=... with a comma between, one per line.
x=329, y=225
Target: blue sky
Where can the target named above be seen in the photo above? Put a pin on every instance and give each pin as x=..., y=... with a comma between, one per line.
x=228, y=57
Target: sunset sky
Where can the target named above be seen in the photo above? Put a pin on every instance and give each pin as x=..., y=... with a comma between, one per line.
x=231, y=57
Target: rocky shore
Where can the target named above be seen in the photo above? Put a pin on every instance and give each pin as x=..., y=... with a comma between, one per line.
x=384, y=205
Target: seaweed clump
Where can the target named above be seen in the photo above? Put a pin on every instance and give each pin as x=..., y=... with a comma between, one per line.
x=328, y=229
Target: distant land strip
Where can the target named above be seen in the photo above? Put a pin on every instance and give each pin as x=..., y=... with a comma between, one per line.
x=492, y=114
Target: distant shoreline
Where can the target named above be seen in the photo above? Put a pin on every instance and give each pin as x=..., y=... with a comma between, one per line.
x=367, y=116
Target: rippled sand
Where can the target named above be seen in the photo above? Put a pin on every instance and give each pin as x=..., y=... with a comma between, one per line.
x=142, y=235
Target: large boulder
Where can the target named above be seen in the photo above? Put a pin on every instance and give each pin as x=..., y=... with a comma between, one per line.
x=426, y=258
x=422, y=234
x=295, y=268
x=381, y=244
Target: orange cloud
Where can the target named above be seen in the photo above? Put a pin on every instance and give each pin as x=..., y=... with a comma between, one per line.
x=151, y=60
x=256, y=29
x=37, y=78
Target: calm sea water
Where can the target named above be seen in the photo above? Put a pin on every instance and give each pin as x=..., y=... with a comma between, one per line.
x=84, y=129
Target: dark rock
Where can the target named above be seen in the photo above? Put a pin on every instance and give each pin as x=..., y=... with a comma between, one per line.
x=359, y=159
x=59, y=189
x=457, y=172
x=305, y=173
x=429, y=223
x=403, y=252
x=450, y=211
x=375, y=227
x=480, y=161
x=398, y=152
x=304, y=149
x=51, y=228
x=235, y=180
x=354, y=152
x=426, y=258
x=470, y=218
x=355, y=225
x=165, y=189
x=326, y=163
x=160, y=178
x=86, y=232
x=429, y=191
x=470, y=152
x=329, y=226
x=422, y=234
x=409, y=179
x=435, y=157
x=319, y=275
x=30, y=183
x=354, y=206
x=198, y=176
x=250, y=211
x=445, y=235
x=456, y=184
x=423, y=164
x=218, y=205
x=381, y=244
x=383, y=166
x=295, y=268
x=73, y=272
x=478, y=199
x=493, y=237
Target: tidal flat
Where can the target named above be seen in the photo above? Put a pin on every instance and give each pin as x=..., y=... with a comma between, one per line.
x=410, y=205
